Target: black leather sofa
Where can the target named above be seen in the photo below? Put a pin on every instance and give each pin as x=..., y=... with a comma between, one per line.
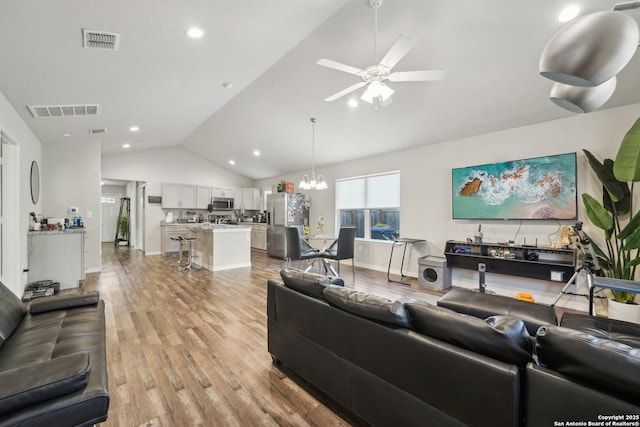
x=53, y=366
x=412, y=363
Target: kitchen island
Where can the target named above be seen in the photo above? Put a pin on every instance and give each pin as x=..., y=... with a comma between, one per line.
x=221, y=247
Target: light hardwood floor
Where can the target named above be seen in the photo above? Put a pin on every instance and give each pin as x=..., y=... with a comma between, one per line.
x=190, y=348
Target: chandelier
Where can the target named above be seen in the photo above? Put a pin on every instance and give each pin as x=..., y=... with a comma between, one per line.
x=313, y=183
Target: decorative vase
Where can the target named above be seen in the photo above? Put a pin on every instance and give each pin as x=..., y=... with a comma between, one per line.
x=626, y=312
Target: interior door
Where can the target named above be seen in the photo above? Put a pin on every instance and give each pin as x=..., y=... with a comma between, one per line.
x=109, y=209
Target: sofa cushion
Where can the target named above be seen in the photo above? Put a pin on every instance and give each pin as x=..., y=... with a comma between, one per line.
x=310, y=284
x=590, y=359
x=42, y=381
x=504, y=338
x=63, y=302
x=369, y=306
x=616, y=330
x=483, y=305
x=11, y=312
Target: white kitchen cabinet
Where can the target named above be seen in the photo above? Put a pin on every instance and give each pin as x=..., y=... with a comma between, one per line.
x=247, y=198
x=259, y=236
x=222, y=192
x=237, y=198
x=203, y=197
x=171, y=196
x=251, y=198
x=178, y=196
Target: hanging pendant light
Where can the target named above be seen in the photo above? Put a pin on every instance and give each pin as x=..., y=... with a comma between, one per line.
x=590, y=50
x=582, y=99
x=313, y=183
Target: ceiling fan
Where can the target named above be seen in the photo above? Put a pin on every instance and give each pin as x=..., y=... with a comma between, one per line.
x=376, y=75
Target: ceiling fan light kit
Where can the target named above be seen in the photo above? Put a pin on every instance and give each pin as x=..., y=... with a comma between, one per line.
x=376, y=75
x=314, y=182
x=584, y=57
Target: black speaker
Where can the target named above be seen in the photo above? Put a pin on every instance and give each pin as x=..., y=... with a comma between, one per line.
x=433, y=273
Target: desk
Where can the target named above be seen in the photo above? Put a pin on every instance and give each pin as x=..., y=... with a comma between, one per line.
x=406, y=241
x=326, y=239
x=613, y=284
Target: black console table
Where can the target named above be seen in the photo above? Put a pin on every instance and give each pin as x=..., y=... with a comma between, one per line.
x=535, y=262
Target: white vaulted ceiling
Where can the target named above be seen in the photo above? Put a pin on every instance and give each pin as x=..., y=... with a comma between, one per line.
x=172, y=86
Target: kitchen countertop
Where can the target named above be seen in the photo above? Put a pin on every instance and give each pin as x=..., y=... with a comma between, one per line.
x=67, y=231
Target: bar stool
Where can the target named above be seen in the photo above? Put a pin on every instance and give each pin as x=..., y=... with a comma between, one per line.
x=189, y=266
x=180, y=240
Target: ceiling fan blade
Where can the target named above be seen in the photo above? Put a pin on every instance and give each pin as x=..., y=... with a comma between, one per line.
x=345, y=91
x=340, y=67
x=417, y=76
x=399, y=49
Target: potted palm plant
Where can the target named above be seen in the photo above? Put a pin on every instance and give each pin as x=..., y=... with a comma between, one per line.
x=617, y=218
x=123, y=230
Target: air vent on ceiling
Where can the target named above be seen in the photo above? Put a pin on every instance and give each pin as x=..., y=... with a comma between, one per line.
x=93, y=39
x=627, y=6
x=97, y=131
x=39, y=111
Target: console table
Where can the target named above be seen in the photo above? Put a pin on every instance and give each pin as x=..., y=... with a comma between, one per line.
x=613, y=284
x=535, y=262
x=406, y=241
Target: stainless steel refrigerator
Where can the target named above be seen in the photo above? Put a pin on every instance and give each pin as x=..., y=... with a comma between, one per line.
x=284, y=210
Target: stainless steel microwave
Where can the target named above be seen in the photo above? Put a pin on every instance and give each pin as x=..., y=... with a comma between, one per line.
x=221, y=204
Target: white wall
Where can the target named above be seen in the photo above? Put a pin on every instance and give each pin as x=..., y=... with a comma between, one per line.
x=72, y=177
x=154, y=167
x=28, y=148
x=426, y=191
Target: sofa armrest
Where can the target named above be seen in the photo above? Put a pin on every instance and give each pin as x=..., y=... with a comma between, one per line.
x=63, y=302
x=41, y=381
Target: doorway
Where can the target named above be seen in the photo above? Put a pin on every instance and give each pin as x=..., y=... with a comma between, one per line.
x=109, y=208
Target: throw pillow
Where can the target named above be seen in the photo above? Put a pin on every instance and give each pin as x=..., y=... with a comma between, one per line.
x=309, y=284
x=503, y=338
x=368, y=306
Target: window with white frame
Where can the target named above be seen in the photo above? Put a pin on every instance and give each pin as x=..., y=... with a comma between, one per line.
x=370, y=203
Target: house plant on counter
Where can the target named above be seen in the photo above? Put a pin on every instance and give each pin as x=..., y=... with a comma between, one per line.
x=616, y=216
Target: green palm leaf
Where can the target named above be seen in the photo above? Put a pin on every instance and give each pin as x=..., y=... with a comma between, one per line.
x=627, y=164
x=597, y=214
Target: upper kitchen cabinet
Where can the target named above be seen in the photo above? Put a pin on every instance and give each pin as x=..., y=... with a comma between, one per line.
x=178, y=196
x=222, y=192
x=203, y=197
x=247, y=198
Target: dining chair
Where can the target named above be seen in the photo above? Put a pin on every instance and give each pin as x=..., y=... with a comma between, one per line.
x=342, y=248
x=299, y=249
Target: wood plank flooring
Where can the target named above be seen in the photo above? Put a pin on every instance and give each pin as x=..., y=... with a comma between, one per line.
x=190, y=348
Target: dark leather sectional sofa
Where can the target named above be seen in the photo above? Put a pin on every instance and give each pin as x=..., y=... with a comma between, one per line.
x=53, y=366
x=475, y=359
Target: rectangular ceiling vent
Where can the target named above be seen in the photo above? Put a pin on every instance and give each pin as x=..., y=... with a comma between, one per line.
x=93, y=39
x=40, y=111
x=97, y=131
x=627, y=6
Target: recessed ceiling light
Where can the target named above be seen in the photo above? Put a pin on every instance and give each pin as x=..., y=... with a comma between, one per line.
x=195, y=33
x=126, y=145
x=67, y=134
x=568, y=13
x=256, y=152
x=134, y=128
x=227, y=85
x=232, y=162
x=353, y=103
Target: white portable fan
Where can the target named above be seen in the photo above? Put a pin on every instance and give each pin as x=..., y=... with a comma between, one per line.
x=376, y=75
